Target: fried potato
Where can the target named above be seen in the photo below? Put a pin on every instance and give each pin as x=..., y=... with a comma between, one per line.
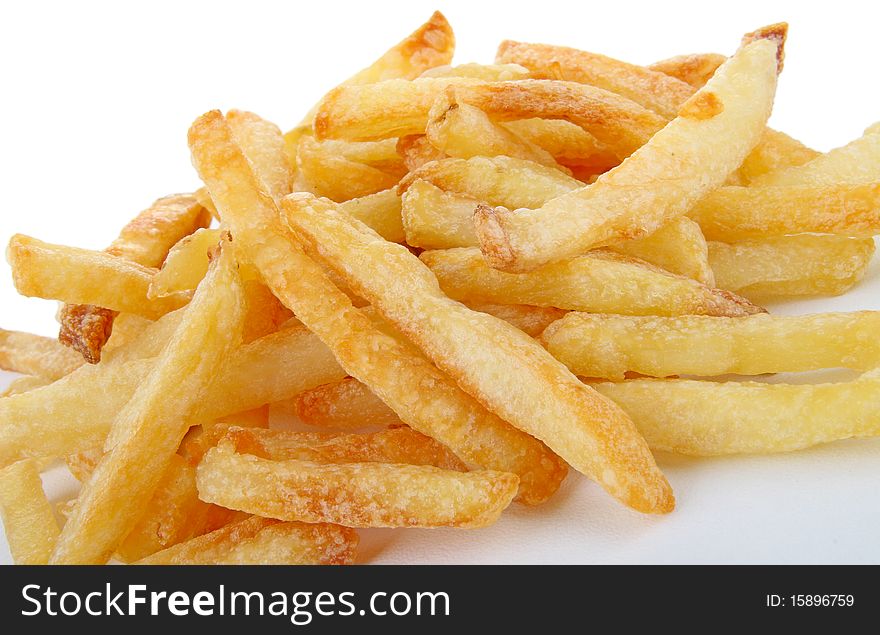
x=531, y=320
x=381, y=212
x=662, y=180
x=185, y=265
x=436, y=219
x=705, y=418
x=799, y=265
x=416, y=151
x=534, y=391
x=204, y=199
x=154, y=421
x=345, y=404
x=364, y=494
x=395, y=445
x=265, y=150
x=775, y=151
x=600, y=281
x=203, y=437
x=31, y=354
x=320, y=170
x=568, y=143
x=145, y=241
x=395, y=370
x=382, y=155
x=23, y=384
x=695, y=69
x=464, y=131
x=264, y=541
x=31, y=529
x=737, y=213
x=81, y=276
x=609, y=346
x=484, y=72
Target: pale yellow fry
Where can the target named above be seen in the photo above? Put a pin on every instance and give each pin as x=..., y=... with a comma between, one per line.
x=30, y=526
x=338, y=177
x=609, y=346
x=799, y=265
x=662, y=180
x=775, y=151
x=186, y=264
x=75, y=413
x=600, y=281
x=265, y=149
x=346, y=404
x=568, y=143
x=81, y=276
x=437, y=219
x=31, y=354
x=156, y=418
x=738, y=213
x=395, y=370
x=416, y=151
x=381, y=212
x=694, y=69
x=704, y=418
x=531, y=320
x=264, y=541
x=23, y=384
x=354, y=494
x=484, y=72
x=501, y=366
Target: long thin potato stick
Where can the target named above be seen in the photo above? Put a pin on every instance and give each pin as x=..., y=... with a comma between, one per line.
x=354, y=494
x=705, y=418
x=31, y=529
x=609, y=346
x=30, y=354
x=185, y=265
x=264, y=541
x=501, y=366
x=694, y=69
x=346, y=404
x=156, y=418
x=662, y=180
x=393, y=369
x=380, y=211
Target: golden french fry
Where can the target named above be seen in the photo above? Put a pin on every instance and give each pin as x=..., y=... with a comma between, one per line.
x=264, y=541
x=662, y=180
x=392, y=368
x=483, y=72
x=380, y=211
x=84, y=277
x=599, y=281
x=436, y=219
x=364, y=494
x=23, y=384
x=775, y=151
x=203, y=437
x=531, y=320
x=31, y=529
x=31, y=354
x=320, y=170
x=204, y=199
x=395, y=445
x=265, y=148
x=790, y=265
x=185, y=265
x=706, y=418
x=500, y=365
x=154, y=421
x=609, y=346
x=568, y=143
x=694, y=69
x=737, y=213
x=416, y=151
x=145, y=240
x=346, y=404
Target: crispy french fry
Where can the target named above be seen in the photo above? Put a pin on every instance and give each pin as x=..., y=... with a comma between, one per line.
x=80, y=276
x=775, y=151
x=394, y=445
x=392, y=368
x=145, y=241
x=364, y=494
x=265, y=150
x=203, y=437
x=204, y=199
x=346, y=404
x=322, y=170
x=416, y=151
x=484, y=72
x=694, y=69
x=31, y=354
x=156, y=418
x=31, y=529
x=264, y=541
x=738, y=213
x=531, y=320
x=609, y=346
x=380, y=211
x=23, y=384
x=705, y=418
x=568, y=143
x=500, y=365
x=600, y=281
x=437, y=219
x=185, y=265
x=662, y=180
x=790, y=265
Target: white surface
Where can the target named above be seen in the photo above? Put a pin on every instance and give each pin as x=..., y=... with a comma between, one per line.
x=96, y=101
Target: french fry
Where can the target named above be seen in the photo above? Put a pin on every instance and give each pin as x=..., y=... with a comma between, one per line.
x=416, y=151
x=365, y=494
x=437, y=219
x=464, y=131
x=483, y=72
x=81, y=276
x=42, y=357
x=203, y=437
x=23, y=384
x=395, y=445
x=265, y=150
x=145, y=241
x=185, y=265
x=392, y=368
x=705, y=418
x=662, y=180
x=264, y=541
x=533, y=391
x=738, y=213
x=609, y=346
x=31, y=529
x=785, y=266
x=320, y=170
x=380, y=211
x=156, y=418
x=775, y=151
x=346, y=404
x=694, y=69
x=569, y=144
x=600, y=281
x=531, y=320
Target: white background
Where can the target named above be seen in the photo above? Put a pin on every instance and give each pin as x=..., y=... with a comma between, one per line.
x=97, y=98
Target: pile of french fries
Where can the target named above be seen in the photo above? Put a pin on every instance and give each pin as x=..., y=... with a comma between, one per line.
x=446, y=285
